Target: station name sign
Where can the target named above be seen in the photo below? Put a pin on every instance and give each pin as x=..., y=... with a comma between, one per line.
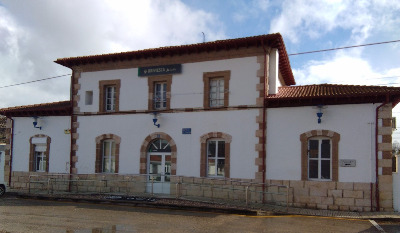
x=160, y=70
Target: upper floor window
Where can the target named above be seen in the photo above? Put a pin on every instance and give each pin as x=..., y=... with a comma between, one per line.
x=109, y=95
x=159, y=92
x=160, y=95
x=319, y=159
x=216, y=89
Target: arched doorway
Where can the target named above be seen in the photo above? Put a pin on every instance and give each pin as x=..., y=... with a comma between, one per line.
x=159, y=166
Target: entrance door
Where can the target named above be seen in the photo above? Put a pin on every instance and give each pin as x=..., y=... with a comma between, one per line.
x=159, y=167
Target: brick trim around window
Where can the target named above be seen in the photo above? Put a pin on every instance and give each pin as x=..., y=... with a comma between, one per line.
x=203, y=151
x=99, y=151
x=32, y=152
x=151, y=82
x=145, y=146
x=335, y=137
x=226, y=75
x=102, y=85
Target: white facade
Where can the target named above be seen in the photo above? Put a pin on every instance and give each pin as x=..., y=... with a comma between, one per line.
x=2, y=161
x=60, y=145
x=354, y=122
x=186, y=88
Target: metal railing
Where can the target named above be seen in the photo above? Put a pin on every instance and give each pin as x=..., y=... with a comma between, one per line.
x=216, y=190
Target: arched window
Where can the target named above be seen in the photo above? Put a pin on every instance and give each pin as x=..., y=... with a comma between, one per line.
x=107, y=153
x=159, y=145
x=320, y=155
x=39, y=155
x=215, y=155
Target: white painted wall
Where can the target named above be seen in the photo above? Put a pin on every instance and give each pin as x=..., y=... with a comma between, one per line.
x=186, y=89
x=53, y=127
x=354, y=123
x=133, y=129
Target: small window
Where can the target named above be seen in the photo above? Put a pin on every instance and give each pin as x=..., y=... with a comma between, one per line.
x=109, y=95
x=89, y=97
x=39, y=153
x=216, y=157
x=216, y=89
x=217, y=92
x=319, y=159
x=108, y=156
x=160, y=95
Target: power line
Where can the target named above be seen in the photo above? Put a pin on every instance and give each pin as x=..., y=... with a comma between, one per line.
x=347, y=47
x=34, y=81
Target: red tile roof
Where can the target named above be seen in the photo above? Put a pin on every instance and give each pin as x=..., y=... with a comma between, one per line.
x=273, y=40
x=62, y=108
x=332, y=94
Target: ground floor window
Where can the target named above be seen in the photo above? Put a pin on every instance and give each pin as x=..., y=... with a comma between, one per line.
x=40, y=161
x=108, y=156
x=216, y=157
x=39, y=154
x=320, y=155
x=319, y=159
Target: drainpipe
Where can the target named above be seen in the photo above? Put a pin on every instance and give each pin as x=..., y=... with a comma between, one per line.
x=264, y=141
x=376, y=154
x=71, y=136
x=11, y=150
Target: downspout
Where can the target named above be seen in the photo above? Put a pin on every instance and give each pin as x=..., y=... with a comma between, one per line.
x=264, y=141
x=11, y=151
x=71, y=131
x=376, y=154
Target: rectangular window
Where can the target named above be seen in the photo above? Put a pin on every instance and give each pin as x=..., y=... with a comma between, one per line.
x=319, y=159
x=40, y=160
x=160, y=95
x=217, y=92
x=88, y=97
x=109, y=98
x=216, y=158
x=109, y=95
x=108, y=156
x=216, y=89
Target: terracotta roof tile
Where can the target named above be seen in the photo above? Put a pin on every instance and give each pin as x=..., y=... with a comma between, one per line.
x=273, y=40
x=332, y=94
x=49, y=109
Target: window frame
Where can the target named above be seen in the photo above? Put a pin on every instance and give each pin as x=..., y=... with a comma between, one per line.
x=216, y=157
x=320, y=158
x=32, y=152
x=203, y=152
x=110, y=155
x=103, y=85
x=100, y=152
x=37, y=163
x=335, y=138
x=152, y=81
x=207, y=77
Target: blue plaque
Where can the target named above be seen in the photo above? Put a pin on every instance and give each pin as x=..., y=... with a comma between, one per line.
x=186, y=130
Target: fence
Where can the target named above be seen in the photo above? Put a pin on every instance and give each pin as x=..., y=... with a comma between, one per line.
x=229, y=191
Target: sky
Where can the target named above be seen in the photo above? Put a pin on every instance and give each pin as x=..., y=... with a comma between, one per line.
x=33, y=34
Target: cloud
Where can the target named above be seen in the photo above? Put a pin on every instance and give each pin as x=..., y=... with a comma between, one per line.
x=35, y=33
x=301, y=19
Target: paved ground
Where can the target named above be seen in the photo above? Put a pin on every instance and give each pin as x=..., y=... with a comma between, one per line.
x=34, y=215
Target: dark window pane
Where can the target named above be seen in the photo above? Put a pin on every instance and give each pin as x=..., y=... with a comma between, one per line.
x=313, y=148
x=325, y=169
x=221, y=149
x=326, y=149
x=313, y=169
x=211, y=148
